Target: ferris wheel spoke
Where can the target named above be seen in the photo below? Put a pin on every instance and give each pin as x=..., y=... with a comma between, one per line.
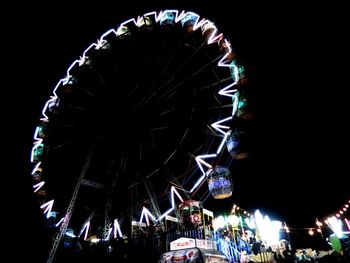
x=171, y=91
x=171, y=76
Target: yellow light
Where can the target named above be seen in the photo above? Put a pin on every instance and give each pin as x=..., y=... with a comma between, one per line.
x=233, y=220
x=218, y=222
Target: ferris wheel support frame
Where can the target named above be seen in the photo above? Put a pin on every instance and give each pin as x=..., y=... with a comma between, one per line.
x=70, y=208
x=108, y=208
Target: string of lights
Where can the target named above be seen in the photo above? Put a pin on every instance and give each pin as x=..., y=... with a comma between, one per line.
x=339, y=218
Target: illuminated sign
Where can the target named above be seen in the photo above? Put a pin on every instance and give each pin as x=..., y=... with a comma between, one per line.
x=182, y=243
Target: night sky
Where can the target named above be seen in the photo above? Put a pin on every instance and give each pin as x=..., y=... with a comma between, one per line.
x=298, y=57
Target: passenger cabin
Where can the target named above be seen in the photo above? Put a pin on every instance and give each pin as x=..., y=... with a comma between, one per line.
x=219, y=182
x=190, y=213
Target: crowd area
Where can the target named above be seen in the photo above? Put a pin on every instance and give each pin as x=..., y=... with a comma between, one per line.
x=283, y=254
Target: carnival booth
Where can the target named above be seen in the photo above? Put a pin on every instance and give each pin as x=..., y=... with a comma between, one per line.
x=193, y=250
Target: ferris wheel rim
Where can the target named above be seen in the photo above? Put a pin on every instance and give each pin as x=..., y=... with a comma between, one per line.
x=220, y=126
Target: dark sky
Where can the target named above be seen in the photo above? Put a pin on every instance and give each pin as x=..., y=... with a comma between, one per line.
x=298, y=56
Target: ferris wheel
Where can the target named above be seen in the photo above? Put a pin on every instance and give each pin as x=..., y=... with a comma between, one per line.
x=146, y=115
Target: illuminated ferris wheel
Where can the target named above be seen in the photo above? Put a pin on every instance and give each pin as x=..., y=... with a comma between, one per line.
x=145, y=116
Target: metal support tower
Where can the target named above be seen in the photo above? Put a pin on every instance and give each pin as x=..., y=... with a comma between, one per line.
x=70, y=208
x=108, y=223
x=153, y=200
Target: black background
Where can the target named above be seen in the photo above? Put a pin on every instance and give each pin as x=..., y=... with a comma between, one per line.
x=298, y=55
